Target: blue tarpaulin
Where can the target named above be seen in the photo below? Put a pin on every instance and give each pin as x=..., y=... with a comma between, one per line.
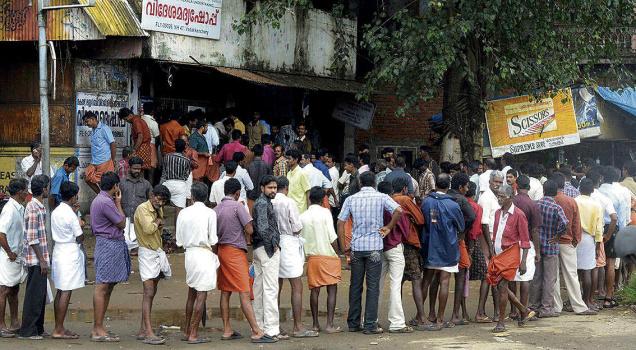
x=624, y=99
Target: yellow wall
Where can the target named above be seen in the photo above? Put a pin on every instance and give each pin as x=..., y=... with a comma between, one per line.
x=11, y=156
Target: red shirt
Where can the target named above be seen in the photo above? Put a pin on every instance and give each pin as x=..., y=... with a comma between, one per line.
x=227, y=151
x=475, y=229
x=516, y=230
x=413, y=215
x=399, y=232
x=571, y=210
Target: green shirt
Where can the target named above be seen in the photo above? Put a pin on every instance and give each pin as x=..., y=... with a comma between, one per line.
x=198, y=143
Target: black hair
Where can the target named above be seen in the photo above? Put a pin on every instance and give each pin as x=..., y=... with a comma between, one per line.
x=523, y=182
x=559, y=179
x=236, y=134
x=490, y=163
x=352, y=159
x=230, y=167
x=566, y=171
x=108, y=181
x=71, y=161
x=610, y=174
x=595, y=176
x=17, y=185
x=179, y=145
x=365, y=158
x=35, y=144
x=472, y=188
x=149, y=107
x=320, y=153
x=126, y=151
x=419, y=163
x=295, y=154
x=385, y=187
x=362, y=147
x=508, y=158
x=124, y=112
x=443, y=181
x=282, y=182
x=135, y=160
x=231, y=186
x=89, y=115
x=513, y=172
x=586, y=186
x=266, y=139
x=316, y=195
x=398, y=184
x=238, y=157
x=400, y=162
x=267, y=179
x=161, y=191
x=445, y=167
x=425, y=148
x=550, y=188
x=199, y=191
x=459, y=180
x=68, y=190
x=258, y=150
x=201, y=124
x=367, y=179
x=38, y=184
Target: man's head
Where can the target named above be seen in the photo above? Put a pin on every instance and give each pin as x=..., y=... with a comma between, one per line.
x=230, y=168
x=239, y=158
x=473, y=167
x=363, y=149
x=279, y=151
x=367, y=179
x=611, y=174
x=365, y=159
x=490, y=164
x=400, y=162
x=269, y=186
x=109, y=182
x=420, y=165
x=507, y=159
x=351, y=163
x=459, y=182
x=380, y=165
x=126, y=114
x=199, y=191
x=149, y=108
x=443, y=182
x=595, y=176
x=504, y=197
x=424, y=152
x=496, y=180
x=550, y=188
x=258, y=150
x=301, y=130
x=90, y=119
x=385, y=187
x=586, y=187
x=179, y=145
x=472, y=189
x=266, y=139
x=523, y=183
x=36, y=149
x=293, y=158
x=316, y=195
x=160, y=196
x=256, y=116
x=629, y=169
x=511, y=177
x=68, y=192
x=228, y=125
x=305, y=159
x=559, y=179
x=70, y=164
x=567, y=172
x=232, y=188
x=126, y=152
x=202, y=127
x=135, y=165
x=40, y=186
x=400, y=185
x=17, y=188
x=282, y=184
x=236, y=135
x=329, y=161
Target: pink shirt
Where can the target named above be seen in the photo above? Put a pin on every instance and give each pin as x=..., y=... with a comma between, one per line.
x=227, y=151
x=268, y=155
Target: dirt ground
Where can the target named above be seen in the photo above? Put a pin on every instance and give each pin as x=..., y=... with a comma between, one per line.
x=610, y=329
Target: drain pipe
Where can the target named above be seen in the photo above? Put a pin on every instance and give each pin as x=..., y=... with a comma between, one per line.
x=53, y=70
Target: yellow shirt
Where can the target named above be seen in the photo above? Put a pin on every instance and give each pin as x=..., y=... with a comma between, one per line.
x=298, y=187
x=147, y=231
x=591, y=217
x=238, y=125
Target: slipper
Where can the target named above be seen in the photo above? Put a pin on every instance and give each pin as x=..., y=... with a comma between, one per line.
x=33, y=337
x=522, y=322
x=356, y=329
x=406, y=329
x=154, y=340
x=499, y=329
x=282, y=337
x=449, y=324
x=65, y=336
x=235, y=335
x=612, y=303
x=105, y=339
x=485, y=319
x=377, y=330
x=265, y=339
x=5, y=333
x=140, y=337
x=433, y=327
x=333, y=330
x=199, y=341
x=414, y=322
x=462, y=322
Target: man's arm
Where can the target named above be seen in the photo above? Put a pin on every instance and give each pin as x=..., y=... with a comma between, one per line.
x=138, y=142
x=113, y=152
x=31, y=170
x=5, y=245
x=486, y=233
x=341, y=233
x=122, y=224
x=395, y=216
x=249, y=231
x=611, y=228
x=536, y=240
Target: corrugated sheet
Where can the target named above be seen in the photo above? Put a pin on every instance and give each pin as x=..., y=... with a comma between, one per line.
x=18, y=21
x=294, y=81
x=114, y=18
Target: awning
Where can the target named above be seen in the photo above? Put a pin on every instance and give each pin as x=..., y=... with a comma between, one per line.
x=114, y=18
x=625, y=99
x=293, y=80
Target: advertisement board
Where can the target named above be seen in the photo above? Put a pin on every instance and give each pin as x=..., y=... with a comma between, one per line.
x=106, y=106
x=198, y=18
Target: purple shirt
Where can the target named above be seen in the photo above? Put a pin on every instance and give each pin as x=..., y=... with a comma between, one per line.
x=399, y=233
x=268, y=155
x=231, y=217
x=105, y=217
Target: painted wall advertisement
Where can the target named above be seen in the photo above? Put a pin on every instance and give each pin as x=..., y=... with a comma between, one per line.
x=588, y=117
x=198, y=18
x=358, y=114
x=521, y=124
x=106, y=106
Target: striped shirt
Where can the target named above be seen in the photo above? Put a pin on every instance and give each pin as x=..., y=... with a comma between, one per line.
x=554, y=224
x=35, y=232
x=176, y=166
x=280, y=167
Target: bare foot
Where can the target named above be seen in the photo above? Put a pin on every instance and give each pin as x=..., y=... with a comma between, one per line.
x=332, y=330
x=316, y=328
x=257, y=335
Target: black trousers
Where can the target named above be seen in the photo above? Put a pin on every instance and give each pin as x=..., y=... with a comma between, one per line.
x=34, y=304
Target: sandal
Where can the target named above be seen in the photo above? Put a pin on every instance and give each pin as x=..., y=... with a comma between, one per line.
x=265, y=339
x=305, y=334
x=522, y=321
x=234, y=336
x=333, y=330
x=485, y=319
x=434, y=327
x=65, y=336
x=377, y=330
x=612, y=303
x=449, y=324
x=105, y=339
x=154, y=340
x=199, y=341
x=406, y=329
x=462, y=322
x=5, y=333
x=499, y=329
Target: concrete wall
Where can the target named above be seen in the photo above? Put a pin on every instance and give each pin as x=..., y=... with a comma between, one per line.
x=304, y=43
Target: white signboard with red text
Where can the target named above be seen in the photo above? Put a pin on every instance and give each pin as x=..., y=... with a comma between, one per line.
x=198, y=18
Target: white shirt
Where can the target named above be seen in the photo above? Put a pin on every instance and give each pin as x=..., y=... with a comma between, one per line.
x=26, y=163
x=196, y=227
x=503, y=219
x=212, y=137
x=484, y=181
x=287, y=214
x=606, y=204
x=246, y=182
x=152, y=125
x=536, y=189
x=65, y=226
x=218, y=190
x=489, y=203
x=333, y=172
x=363, y=169
x=316, y=177
x=12, y=225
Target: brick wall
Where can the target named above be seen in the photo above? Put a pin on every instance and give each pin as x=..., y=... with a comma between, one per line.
x=411, y=130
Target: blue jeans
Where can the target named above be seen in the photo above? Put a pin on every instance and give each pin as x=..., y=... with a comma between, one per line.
x=369, y=264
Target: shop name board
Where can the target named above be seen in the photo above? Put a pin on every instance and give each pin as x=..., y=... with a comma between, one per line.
x=521, y=124
x=106, y=107
x=358, y=114
x=197, y=18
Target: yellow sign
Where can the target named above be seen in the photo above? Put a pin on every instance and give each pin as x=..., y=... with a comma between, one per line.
x=521, y=124
x=10, y=158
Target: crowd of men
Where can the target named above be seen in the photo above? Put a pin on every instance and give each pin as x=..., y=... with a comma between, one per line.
x=518, y=231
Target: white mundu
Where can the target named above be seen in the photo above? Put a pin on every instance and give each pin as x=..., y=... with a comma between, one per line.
x=67, y=263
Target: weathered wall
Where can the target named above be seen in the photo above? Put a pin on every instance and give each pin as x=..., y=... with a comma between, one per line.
x=305, y=42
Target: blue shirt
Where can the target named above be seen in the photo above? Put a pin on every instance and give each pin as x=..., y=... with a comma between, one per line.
x=318, y=164
x=400, y=173
x=554, y=224
x=101, y=138
x=59, y=177
x=367, y=210
x=444, y=219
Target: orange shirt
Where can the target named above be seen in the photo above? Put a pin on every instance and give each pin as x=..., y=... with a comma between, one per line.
x=170, y=132
x=415, y=216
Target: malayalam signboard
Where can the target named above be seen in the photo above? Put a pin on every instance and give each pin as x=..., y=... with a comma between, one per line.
x=106, y=106
x=358, y=114
x=521, y=124
x=198, y=18
x=588, y=117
